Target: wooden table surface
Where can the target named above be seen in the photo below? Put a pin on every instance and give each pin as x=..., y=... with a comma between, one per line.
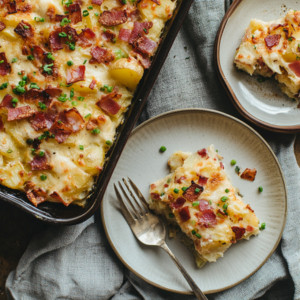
x=14, y=241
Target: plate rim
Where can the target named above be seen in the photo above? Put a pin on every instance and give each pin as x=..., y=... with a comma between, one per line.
x=234, y=99
x=234, y=119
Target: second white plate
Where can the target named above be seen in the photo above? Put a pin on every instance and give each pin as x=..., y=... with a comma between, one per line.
x=191, y=130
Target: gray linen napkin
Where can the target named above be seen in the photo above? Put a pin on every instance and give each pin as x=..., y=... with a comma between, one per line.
x=76, y=262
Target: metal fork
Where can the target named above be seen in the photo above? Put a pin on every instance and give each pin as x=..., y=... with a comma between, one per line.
x=147, y=227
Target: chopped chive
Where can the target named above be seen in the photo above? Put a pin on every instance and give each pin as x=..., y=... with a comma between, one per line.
x=260, y=189
x=33, y=85
x=237, y=169
x=162, y=194
x=74, y=103
x=42, y=153
x=226, y=190
x=96, y=14
x=80, y=98
x=85, y=13
x=9, y=151
x=62, y=34
x=3, y=85
x=108, y=142
x=198, y=235
x=233, y=162
x=162, y=149
x=26, y=27
x=262, y=226
x=224, y=198
x=42, y=105
x=30, y=57
x=90, y=7
x=225, y=206
x=193, y=231
x=176, y=191
x=95, y=131
x=85, y=61
x=43, y=177
x=72, y=93
x=1, y=61
x=184, y=188
x=47, y=69
x=197, y=190
x=81, y=147
x=14, y=60
x=65, y=21
x=209, y=201
x=195, y=203
x=87, y=116
x=14, y=102
x=70, y=63
x=37, y=19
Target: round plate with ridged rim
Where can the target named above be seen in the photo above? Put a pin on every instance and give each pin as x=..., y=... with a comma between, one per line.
x=190, y=130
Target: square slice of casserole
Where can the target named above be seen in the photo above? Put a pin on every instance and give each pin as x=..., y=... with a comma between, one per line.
x=198, y=196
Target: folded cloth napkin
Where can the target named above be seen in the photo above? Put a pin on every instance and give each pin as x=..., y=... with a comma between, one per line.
x=76, y=262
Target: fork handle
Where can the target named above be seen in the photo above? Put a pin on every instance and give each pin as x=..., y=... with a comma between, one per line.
x=198, y=293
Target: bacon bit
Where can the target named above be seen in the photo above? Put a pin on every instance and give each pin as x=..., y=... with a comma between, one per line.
x=202, y=152
x=108, y=104
x=155, y=196
x=207, y=218
x=11, y=7
x=272, y=40
x=204, y=205
x=2, y=26
x=19, y=113
x=33, y=94
x=38, y=121
x=109, y=36
x=139, y=30
x=1, y=125
x=53, y=91
x=59, y=18
x=249, y=228
x=190, y=193
x=101, y=55
x=124, y=34
x=202, y=180
x=73, y=119
x=156, y=1
x=24, y=29
x=75, y=13
x=166, y=185
x=113, y=17
x=97, y=2
x=56, y=42
x=92, y=124
x=295, y=67
x=221, y=165
x=38, y=53
x=170, y=197
x=145, y=45
x=50, y=13
x=249, y=174
x=178, y=202
x=143, y=59
x=6, y=102
x=184, y=214
x=179, y=180
x=36, y=196
x=5, y=67
x=39, y=163
x=274, y=27
x=75, y=74
x=86, y=37
x=92, y=84
x=221, y=213
x=238, y=231
x=58, y=198
x=61, y=131
x=249, y=207
x=24, y=7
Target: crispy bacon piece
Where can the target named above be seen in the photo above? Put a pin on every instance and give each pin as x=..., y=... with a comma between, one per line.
x=207, y=218
x=101, y=55
x=179, y=180
x=97, y=2
x=202, y=152
x=178, y=203
x=249, y=174
x=58, y=198
x=36, y=196
x=2, y=26
x=61, y=131
x=295, y=67
x=86, y=37
x=76, y=74
x=108, y=104
x=113, y=17
x=202, y=180
x=6, y=102
x=75, y=13
x=155, y=196
x=57, y=42
x=156, y=1
x=109, y=36
x=139, y=30
x=124, y=34
x=184, y=214
x=53, y=91
x=272, y=40
x=193, y=192
x=33, y=94
x=59, y=18
x=5, y=67
x=92, y=84
x=11, y=7
x=38, y=53
x=24, y=29
x=39, y=121
x=145, y=45
x=204, y=205
x=143, y=59
x=92, y=124
x=19, y=113
x=40, y=163
x=238, y=231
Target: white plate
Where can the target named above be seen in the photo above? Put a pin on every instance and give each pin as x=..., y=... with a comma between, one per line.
x=262, y=103
x=191, y=130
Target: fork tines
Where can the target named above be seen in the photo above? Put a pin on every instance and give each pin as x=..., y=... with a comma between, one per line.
x=131, y=207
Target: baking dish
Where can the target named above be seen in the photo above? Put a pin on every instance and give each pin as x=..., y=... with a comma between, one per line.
x=59, y=214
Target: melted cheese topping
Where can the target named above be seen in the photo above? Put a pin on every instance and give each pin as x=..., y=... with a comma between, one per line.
x=198, y=196
x=71, y=164
x=272, y=48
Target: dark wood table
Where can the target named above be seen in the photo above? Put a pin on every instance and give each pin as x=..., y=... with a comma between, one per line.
x=17, y=228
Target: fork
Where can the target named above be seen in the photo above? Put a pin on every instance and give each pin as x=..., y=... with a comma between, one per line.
x=147, y=227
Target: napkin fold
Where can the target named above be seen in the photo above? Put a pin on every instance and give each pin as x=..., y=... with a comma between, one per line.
x=76, y=262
